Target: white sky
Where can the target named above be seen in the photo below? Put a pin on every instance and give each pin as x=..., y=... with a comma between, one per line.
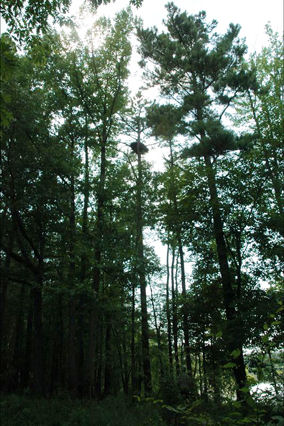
x=252, y=15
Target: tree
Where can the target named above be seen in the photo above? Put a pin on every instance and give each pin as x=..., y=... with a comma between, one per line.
x=101, y=99
x=204, y=72
x=263, y=106
x=25, y=16
x=135, y=125
x=164, y=121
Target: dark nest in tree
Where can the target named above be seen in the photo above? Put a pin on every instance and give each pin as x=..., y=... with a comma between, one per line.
x=139, y=147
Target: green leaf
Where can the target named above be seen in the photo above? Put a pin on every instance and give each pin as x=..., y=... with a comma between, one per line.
x=229, y=365
x=170, y=408
x=235, y=353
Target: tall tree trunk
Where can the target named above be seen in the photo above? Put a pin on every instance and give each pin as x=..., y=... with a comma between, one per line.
x=84, y=257
x=82, y=372
x=183, y=281
x=28, y=346
x=142, y=280
x=17, y=358
x=168, y=313
x=158, y=333
x=108, y=358
x=37, y=357
x=204, y=364
x=174, y=310
x=94, y=331
x=133, y=363
x=3, y=295
x=233, y=343
x=72, y=373
x=57, y=368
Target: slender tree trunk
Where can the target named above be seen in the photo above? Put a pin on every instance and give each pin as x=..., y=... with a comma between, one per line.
x=200, y=374
x=108, y=363
x=133, y=363
x=168, y=312
x=158, y=333
x=17, y=358
x=3, y=295
x=174, y=310
x=37, y=358
x=204, y=365
x=72, y=373
x=142, y=281
x=125, y=367
x=99, y=359
x=93, y=382
x=57, y=374
x=183, y=281
x=28, y=347
x=84, y=257
x=185, y=313
x=83, y=386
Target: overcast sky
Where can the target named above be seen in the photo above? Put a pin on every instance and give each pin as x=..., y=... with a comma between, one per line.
x=252, y=15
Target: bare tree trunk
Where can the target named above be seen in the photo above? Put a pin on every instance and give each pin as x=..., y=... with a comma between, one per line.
x=133, y=363
x=37, y=352
x=168, y=312
x=174, y=310
x=72, y=373
x=3, y=295
x=93, y=382
x=142, y=281
x=108, y=364
x=183, y=280
x=158, y=333
x=84, y=257
x=17, y=358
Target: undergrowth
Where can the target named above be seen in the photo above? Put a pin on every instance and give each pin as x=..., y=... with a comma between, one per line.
x=20, y=410
x=112, y=411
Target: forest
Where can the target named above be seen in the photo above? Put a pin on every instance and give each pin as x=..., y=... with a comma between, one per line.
x=135, y=295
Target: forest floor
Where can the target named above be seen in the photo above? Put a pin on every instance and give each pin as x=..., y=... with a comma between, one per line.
x=112, y=411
